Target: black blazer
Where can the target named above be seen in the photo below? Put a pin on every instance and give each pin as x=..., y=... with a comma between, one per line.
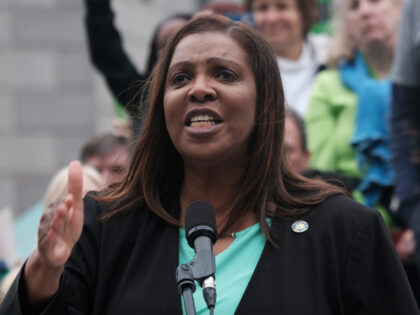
x=344, y=263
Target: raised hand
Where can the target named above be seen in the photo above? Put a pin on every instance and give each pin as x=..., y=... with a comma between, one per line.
x=61, y=224
x=60, y=229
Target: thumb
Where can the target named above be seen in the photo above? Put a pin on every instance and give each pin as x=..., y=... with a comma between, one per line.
x=75, y=181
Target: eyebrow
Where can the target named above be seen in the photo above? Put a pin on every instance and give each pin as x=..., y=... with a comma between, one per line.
x=209, y=61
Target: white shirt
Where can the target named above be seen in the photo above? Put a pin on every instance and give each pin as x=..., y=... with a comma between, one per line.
x=297, y=78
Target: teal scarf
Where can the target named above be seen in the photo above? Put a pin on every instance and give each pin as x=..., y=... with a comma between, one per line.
x=371, y=134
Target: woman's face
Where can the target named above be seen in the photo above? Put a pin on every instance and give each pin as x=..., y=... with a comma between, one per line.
x=279, y=21
x=210, y=98
x=373, y=22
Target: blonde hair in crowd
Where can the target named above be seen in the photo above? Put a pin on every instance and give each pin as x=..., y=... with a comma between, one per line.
x=58, y=185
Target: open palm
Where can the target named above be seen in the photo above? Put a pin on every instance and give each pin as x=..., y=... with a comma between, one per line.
x=61, y=224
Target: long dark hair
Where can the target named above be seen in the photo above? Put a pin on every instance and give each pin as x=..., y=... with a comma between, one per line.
x=268, y=184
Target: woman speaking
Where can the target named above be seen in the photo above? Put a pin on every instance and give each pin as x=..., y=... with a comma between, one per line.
x=286, y=244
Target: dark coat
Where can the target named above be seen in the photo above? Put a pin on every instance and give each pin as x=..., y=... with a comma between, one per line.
x=344, y=263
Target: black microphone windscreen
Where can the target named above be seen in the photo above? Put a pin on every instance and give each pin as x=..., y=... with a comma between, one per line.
x=199, y=213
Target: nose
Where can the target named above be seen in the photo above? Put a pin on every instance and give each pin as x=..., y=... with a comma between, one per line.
x=271, y=14
x=202, y=90
x=365, y=7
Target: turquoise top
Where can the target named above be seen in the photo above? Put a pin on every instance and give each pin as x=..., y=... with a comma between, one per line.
x=234, y=268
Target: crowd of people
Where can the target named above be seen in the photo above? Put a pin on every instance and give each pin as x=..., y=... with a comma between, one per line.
x=276, y=126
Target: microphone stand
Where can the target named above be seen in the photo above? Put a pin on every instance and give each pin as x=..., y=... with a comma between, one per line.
x=201, y=268
x=186, y=287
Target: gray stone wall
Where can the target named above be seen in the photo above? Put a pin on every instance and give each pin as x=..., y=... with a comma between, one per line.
x=51, y=99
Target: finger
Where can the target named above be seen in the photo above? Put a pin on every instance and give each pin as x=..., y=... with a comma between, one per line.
x=52, y=207
x=59, y=219
x=51, y=225
x=46, y=220
x=75, y=183
x=69, y=203
x=43, y=231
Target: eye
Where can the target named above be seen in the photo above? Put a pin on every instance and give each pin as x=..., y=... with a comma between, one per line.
x=117, y=169
x=180, y=78
x=261, y=7
x=226, y=75
x=282, y=6
x=354, y=4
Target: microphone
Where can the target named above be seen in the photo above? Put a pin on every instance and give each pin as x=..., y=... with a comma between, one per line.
x=201, y=233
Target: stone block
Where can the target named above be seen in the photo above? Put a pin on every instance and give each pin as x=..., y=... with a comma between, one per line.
x=46, y=26
x=54, y=112
x=31, y=189
x=181, y=6
x=30, y=70
x=70, y=148
x=29, y=155
x=69, y=5
x=31, y=3
x=74, y=71
x=5, y=27
x=7, y=117
x=7, y=192
x=104, y=107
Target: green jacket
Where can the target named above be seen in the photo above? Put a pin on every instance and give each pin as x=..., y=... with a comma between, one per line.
x=330, y=125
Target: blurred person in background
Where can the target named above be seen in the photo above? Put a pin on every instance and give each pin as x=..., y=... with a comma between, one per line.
x=347, y=119
x=286, y=25
x=232, y=10
x=298, y=155
x=405, y=132
x=109, y=154
x=109, y=57
x=295, y=144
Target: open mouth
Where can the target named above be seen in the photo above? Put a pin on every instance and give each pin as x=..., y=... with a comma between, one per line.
x=201, y=120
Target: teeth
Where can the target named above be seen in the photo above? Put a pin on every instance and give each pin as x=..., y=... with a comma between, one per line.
x=203, y=123
x=202, y=118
